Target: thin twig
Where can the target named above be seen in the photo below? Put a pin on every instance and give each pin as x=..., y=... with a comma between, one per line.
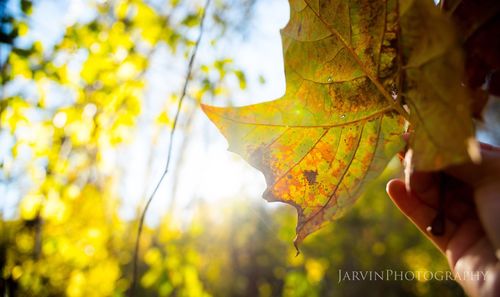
x=179, y=162
x=169, y=152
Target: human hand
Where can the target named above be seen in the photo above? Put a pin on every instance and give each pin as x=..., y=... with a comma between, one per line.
x=471, y=208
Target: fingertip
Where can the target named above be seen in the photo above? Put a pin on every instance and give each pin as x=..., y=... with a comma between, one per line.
x=395, y=189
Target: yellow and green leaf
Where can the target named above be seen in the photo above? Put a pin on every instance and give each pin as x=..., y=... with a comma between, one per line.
x=342, y=115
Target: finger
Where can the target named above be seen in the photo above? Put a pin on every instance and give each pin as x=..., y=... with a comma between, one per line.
x=485, y=178
x=458, y=196
x=464, y=245
x=459, y=238
x=419, y=213
x=478, y=257
x=488, y=206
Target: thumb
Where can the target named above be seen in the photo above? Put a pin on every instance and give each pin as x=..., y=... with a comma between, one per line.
x=420, y=213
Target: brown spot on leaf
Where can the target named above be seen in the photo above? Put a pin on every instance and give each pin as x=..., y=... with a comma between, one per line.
x=311, y=175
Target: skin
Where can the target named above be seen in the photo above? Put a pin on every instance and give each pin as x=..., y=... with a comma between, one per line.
x=471, y=239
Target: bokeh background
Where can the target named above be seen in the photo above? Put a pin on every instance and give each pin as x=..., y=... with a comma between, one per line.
x=89, y=91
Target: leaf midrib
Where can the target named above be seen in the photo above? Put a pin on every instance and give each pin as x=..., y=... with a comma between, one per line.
x=367, y=118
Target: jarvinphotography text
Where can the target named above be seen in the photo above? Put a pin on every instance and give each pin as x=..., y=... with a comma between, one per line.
x=407, y=275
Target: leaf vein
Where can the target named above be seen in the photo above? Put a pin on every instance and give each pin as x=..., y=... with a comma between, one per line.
x=339, y=183
x=300, y=160
x=367, y=118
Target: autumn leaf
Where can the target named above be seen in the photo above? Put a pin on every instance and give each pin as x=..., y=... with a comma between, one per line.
x=341, y=118
x=440, y=107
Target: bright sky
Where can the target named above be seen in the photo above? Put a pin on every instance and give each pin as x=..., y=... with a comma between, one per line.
x=210, y=172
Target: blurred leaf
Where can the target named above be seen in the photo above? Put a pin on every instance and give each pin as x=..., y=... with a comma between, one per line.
x=262, y=79
x=440, y=106
x=26, y=6
x=241, y=78
x=191, y=20
x=164, y=119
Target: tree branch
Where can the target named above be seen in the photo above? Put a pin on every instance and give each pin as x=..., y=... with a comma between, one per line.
x=169, y=153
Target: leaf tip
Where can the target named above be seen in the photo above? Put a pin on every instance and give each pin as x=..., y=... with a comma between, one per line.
x=268, y=196
x=296, y=245
x=214, y=114
x=207, y=109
